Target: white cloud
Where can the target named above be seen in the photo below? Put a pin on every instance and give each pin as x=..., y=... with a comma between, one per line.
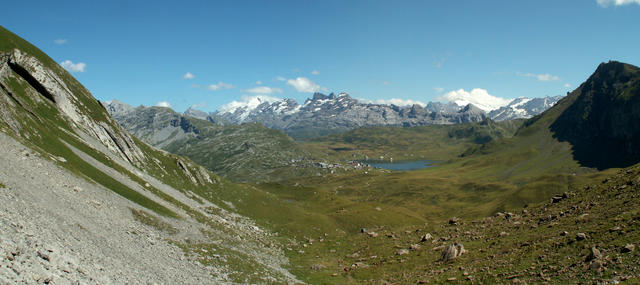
x=438, y=89
x=478, y=97
x=163, y=104
x=315, y=72
x=606, y=3
x=567, y=85
x=60, y=41
x=259, y=82
x=73, y=67
x=219, y=86
x=198, y=105
x=541, y=77
x=264, y=90
x=280, y=78
x=303, y=84
x=400, y=102
x=188, y=75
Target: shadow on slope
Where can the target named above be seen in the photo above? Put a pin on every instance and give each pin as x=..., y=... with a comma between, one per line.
x=603, y=122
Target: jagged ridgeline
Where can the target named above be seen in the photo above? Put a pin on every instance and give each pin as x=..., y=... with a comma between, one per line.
x=44, y=109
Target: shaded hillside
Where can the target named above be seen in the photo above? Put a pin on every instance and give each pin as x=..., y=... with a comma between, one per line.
x=603, y=122
x=246, y=152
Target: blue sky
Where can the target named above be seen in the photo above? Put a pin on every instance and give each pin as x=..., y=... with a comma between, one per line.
x=140, y=52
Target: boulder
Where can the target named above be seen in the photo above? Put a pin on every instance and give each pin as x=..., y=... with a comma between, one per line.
x=452, y=251
x=628, y=248
x=426, y=237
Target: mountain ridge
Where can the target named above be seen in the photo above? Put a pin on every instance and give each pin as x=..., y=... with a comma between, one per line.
x=325, y=114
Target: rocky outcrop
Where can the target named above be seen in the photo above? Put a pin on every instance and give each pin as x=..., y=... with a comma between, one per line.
x=44, y=83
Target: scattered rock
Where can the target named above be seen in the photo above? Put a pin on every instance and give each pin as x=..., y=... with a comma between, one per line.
x=564, y=233
x=426, y=237
x=594, y=254
x=318, y=267
x=414, y=247
x=502, y=234
x=452, y=251
x=44, y=255
x=454, y=221
x=628, y=248
x=581, y=236
x=597, y=265
x=556, y=199
x=372, y=234
x=402, y=251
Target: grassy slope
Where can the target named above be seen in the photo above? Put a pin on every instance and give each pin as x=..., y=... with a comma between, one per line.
x=435, y=142
x=502, y=175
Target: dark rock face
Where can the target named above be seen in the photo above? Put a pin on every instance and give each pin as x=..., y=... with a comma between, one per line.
x=602, y=121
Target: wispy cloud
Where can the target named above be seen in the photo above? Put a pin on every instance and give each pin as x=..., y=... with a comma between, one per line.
x=263, y=90
x=386, y=82
x=198, y=105
x=259, y=82
x=567, y=85
x=303, y=84
x=163, y=104
x=439, y=62
x=540, y=77
x=73, y=67
x=219, y=86
x=188, y=76
x=315, y=72
x=607, y=3
x=438, y=89
x=60, y=41
x=280, y=78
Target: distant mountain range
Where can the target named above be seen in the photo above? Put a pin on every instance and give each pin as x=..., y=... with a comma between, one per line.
x=324, y=114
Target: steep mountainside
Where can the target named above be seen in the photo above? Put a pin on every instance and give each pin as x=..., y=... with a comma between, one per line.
x=324, y=114
x=83, y=201
x=246, y=152
x=603, y=122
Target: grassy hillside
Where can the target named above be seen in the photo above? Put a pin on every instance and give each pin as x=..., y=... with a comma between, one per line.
x=434, y=142
x=247, y=152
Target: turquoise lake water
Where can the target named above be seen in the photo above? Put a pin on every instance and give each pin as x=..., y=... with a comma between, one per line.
x=403, y=165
